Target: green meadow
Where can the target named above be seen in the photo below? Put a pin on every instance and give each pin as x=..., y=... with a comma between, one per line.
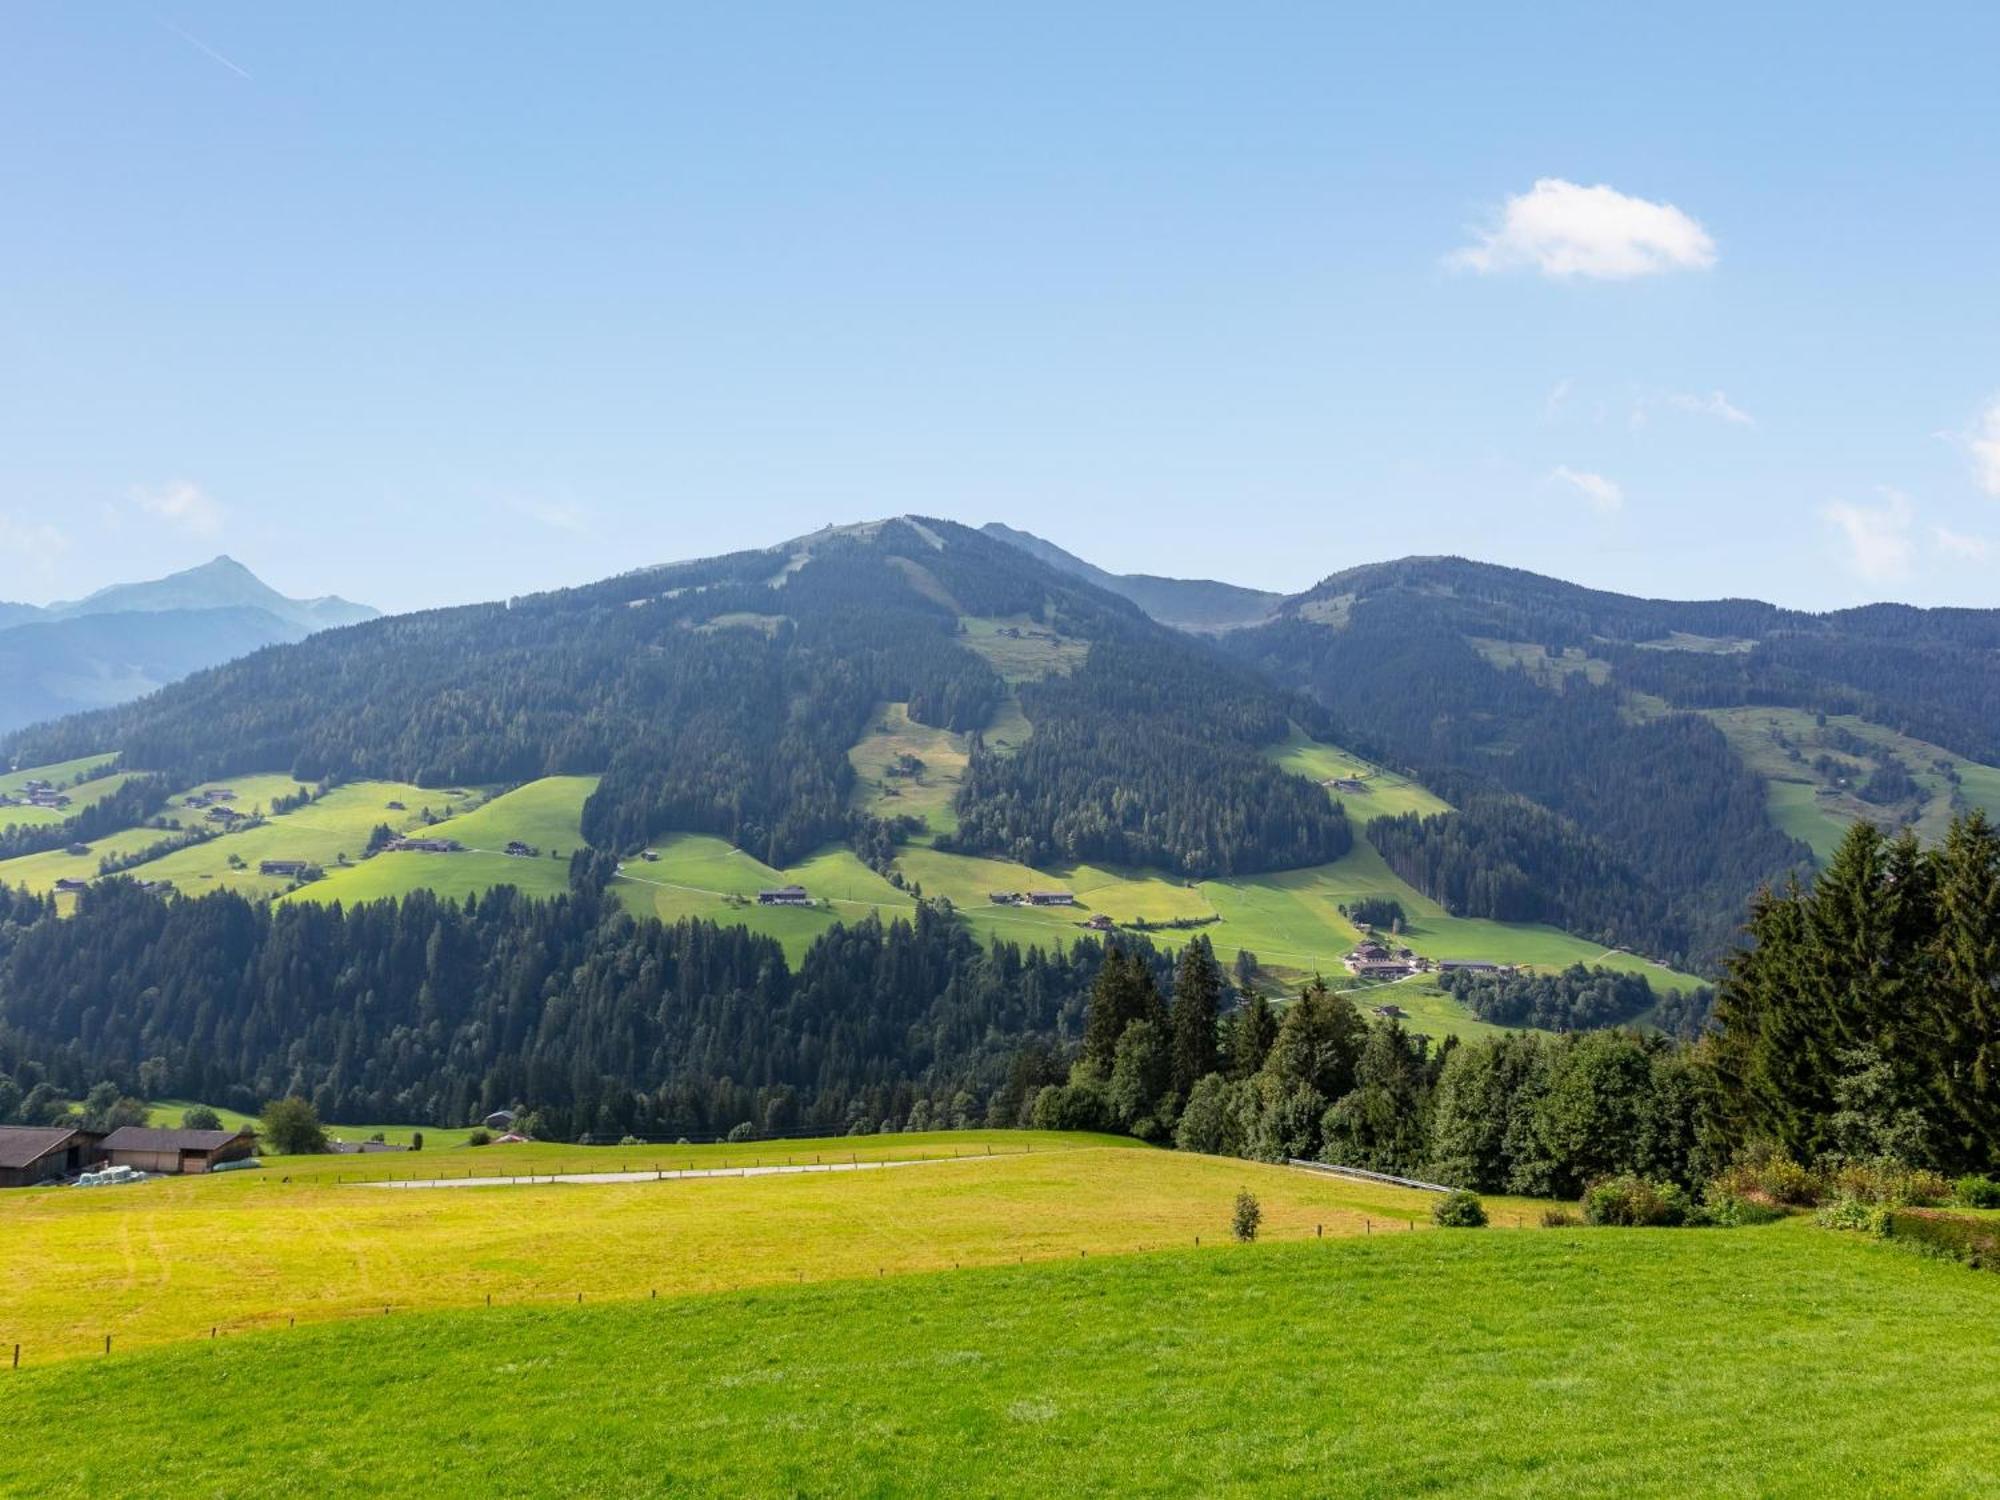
x=60, y=775
x=884, y=789
x=1780, y=1361
x=323, y=832
x=1388, y=795
x=546, y=814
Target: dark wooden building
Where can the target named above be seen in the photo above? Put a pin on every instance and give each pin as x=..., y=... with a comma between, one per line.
x=32, y=1154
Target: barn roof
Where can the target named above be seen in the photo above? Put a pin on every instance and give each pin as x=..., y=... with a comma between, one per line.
x=24, y=1145
x=148, y=1138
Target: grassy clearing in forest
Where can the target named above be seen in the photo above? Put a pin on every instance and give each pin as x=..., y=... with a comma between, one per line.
x=546, y=814
x=1388, y=795
x=1779, y=1361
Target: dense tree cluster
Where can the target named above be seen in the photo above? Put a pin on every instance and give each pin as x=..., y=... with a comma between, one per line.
x=1864, y=1019
x=1578, y=998
x=435, y=1011
x=1150, y=754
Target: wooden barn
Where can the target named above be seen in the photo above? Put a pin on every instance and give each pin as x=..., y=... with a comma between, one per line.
x=146, y=1149
x=32, y=1154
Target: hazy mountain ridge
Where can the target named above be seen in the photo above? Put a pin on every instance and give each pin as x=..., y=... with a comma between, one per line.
x=1197, y=604
x=127, y=640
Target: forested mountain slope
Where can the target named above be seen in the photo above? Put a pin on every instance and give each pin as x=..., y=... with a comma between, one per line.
x=723, y=697
x=1603, y=751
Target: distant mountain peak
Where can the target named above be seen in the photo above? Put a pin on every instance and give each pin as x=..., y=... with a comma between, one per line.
x=1199, y=604
x=220, y=583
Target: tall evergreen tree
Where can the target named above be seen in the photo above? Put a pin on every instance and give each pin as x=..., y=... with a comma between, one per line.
x=1197, y=1007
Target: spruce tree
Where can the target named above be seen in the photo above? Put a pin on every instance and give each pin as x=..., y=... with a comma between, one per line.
x=1197, y=1005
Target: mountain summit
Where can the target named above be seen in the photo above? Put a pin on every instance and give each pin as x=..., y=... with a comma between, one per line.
x=124, y=641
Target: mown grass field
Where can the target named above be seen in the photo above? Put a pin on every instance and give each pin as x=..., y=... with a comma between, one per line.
x=60, y=774
x=546, y=814
x=1388, y=794
x=1022, y=649
x=1780, y=1361
x=322, y=831
x=173, y=1258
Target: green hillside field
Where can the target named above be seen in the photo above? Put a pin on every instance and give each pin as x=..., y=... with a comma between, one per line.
x=1388, y=794
x=322, y=831
x=60, y=775
x=546, y=814
x=1779, y=1361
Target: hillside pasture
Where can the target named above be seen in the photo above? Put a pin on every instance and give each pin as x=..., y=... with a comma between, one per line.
x=80, y=797
x=546, y=815
x=1388, y=795
x=1646, y=1363
x=299, y=1237
x=1023, y=649
x=321, y=832
x=882, y=789
x=706, y=878
x=60, y=773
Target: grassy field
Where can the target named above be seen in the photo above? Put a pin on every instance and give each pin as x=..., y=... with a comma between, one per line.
x=1022, y=649
x=169, y=1113
x=171, y=1258
x=1388, y=795
x=1780, y=1361
x=696, y=875
x=546, y=815
x=1818, y=811
x=60, y=775
x=322, y=831
x=927, y=794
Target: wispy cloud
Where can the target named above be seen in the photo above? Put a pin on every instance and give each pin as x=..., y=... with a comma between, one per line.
x=557, y=515
x=1714, y=404
x=1878, y=541
x=1557, y=398
x=1563, y=229
x=180, y=503
x=1604, y=495
x=207, y=51
x=1984, y=441
x=35, y=543
x=1959, y=544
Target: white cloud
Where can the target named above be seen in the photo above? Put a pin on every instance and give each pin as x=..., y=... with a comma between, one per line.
x=1714, y=404
x=1985, y=444
x=1603, y=494
x=36, y=543
x=557, y=515
x=1959, y=544
x=1557, y=398
x=1878, y=539
x=181, y=503
x=1563, y=229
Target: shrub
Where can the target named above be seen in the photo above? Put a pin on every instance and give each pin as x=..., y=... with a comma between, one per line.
x=1974, y=1241
x=1459, y=1209
x=1632, y=1202
x=1976, y=1192
x=1559, y=1218
x=1770, y=1177
x=630, y=1140
x=481, y=1137
x=416, y=1140
x=200, y=1117
x=1249, y=1214
x=1886, y=1180
x=1726, y=1211
x=1854, y=1214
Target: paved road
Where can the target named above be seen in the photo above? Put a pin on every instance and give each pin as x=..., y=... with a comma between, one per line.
x=664, y=1176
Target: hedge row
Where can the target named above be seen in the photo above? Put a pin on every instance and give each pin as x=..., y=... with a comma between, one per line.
x=1974, y=1241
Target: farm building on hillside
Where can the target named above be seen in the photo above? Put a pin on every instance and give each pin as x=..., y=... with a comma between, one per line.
x=1470, y=966
x=1051, y=898
x=500, y=1119
x=520, y=850
x=289, y=867
x=30, y=1154
x=145, y=1149
x=1348, y=784
x=424, y=846
x=785, y=895
x=1100, y=923
x=67, y=883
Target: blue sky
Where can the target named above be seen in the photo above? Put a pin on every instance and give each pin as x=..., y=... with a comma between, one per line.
x=436, y=303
